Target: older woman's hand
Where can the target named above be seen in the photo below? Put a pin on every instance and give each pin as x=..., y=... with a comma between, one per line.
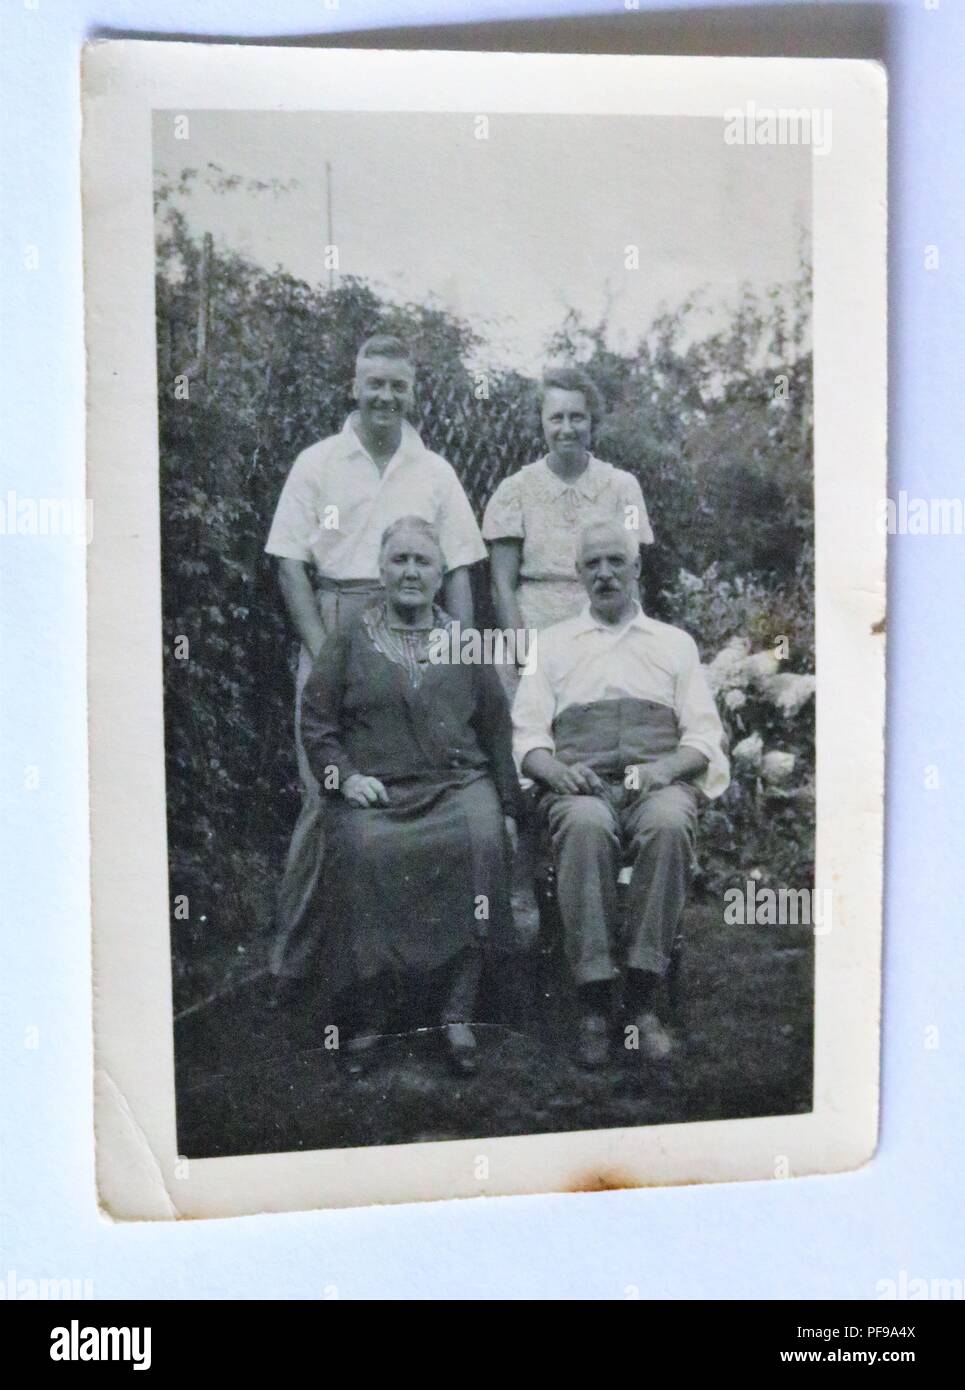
x=360, y=790
x=512, y=832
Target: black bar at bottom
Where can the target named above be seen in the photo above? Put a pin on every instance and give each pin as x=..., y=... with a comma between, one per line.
x=247, y=1336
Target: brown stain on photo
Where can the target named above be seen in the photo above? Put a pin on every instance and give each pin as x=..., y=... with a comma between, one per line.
x=609, y=1180
x=613, y=1180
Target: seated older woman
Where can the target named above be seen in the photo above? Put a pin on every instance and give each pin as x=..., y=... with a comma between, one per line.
x=415, y=755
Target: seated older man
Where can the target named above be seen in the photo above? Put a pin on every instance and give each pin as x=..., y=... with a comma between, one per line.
x=615, y=722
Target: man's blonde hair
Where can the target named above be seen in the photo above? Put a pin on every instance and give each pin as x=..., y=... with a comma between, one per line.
x=385, y=345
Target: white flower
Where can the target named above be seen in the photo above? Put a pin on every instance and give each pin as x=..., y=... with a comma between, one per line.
x=725, y=669
x=690, y=583
x=789, y=692
x=776, y=767
x=735, y=699
x=760, y=667
x=749, y=750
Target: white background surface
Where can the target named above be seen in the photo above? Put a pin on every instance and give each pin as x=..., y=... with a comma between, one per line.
x=820, y=1237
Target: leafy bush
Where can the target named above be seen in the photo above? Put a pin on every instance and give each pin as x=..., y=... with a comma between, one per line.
x=757, y=641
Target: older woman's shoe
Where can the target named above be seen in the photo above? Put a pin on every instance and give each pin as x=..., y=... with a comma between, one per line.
x=461, y=1045
x=284, y=993
x=360, y=1051
x=593, y=1041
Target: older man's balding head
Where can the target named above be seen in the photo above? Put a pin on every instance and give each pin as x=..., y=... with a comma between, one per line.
x=609, y=533
x=608, y=563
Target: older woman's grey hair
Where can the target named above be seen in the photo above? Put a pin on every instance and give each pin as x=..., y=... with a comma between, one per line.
x=572, y=379
x=411, y=523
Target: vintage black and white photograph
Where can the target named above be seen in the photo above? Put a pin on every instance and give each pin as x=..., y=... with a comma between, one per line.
x=486, y=537
x=487, y=533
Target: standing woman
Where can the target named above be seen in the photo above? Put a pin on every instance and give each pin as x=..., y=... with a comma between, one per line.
x=535, y=516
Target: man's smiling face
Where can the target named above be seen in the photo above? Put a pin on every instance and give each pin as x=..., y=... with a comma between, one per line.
x=385, y=391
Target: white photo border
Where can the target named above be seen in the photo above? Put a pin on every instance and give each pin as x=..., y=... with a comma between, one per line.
x=124, y=83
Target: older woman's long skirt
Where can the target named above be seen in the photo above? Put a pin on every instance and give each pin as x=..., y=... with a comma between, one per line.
x=411, y=886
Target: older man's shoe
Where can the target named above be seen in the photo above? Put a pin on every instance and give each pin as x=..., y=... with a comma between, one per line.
x=653, y=1041
x=461, y=1045
x=593, y=1041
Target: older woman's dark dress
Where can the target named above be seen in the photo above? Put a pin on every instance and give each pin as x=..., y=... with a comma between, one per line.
x=417, y=884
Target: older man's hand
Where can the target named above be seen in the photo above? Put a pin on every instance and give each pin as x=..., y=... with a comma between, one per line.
x=682, y=766
x=576, y=779
x=360, y=790
x=648, y=777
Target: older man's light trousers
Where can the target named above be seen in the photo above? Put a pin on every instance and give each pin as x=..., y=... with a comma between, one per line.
x=592, y=837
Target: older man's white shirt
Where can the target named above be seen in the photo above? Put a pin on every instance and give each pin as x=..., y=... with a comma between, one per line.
x=583, y=660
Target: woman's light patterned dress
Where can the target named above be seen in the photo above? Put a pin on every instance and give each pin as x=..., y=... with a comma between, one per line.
x=547, y=514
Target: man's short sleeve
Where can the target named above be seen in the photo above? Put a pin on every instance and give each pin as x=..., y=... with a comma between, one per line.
x=633, y=497
x=462, y=542
x=295, y=523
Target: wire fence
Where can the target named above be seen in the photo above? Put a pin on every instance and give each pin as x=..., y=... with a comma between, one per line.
x=484, y=437
x=281, y=371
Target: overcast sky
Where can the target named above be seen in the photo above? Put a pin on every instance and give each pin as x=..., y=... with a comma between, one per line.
x=510, y=231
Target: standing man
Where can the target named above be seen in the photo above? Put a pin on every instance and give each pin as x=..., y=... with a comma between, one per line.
x=337, y=500
x=617, y=725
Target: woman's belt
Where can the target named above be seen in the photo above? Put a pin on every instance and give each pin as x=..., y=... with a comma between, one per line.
x=573, y=579
x=347, y=586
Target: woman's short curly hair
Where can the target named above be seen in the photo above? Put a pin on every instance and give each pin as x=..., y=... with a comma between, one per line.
x=572, y=379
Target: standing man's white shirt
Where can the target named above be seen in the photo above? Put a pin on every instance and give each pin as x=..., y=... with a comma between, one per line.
x=336, y=503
